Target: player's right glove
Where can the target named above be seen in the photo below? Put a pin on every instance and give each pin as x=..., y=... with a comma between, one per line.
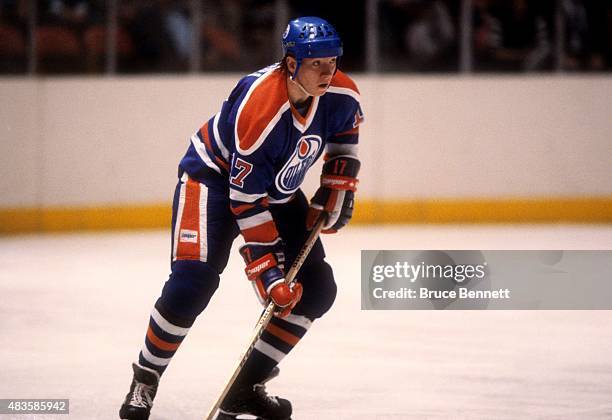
x=336, y=195
x=265, y=268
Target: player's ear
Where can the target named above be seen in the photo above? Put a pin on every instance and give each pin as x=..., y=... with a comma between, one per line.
x=291, y=64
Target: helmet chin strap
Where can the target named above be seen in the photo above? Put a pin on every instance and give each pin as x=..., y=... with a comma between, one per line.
x=302, y=88
x=293, y=78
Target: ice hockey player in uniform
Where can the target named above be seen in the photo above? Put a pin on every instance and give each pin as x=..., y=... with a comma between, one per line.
x=241, y=175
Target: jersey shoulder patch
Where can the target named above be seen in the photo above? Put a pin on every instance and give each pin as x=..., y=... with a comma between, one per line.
x=260, y=111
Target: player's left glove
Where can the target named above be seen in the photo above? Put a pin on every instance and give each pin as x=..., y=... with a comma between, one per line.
x=336, y=195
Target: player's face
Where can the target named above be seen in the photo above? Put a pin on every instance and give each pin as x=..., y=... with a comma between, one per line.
x=315, y=74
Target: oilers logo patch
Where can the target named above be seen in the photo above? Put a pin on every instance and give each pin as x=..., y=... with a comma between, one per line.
x=291, y=176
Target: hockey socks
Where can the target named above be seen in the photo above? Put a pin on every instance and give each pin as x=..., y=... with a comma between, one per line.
x=277, y=340
x=164, y=336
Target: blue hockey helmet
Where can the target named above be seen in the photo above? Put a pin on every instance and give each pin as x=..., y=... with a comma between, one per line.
x=310, y=37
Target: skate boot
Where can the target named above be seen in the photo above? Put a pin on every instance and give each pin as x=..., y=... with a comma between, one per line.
x=254, y=401
x=138, y=402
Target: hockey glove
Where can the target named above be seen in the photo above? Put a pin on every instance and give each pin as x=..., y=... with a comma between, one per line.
x=336, y=194
x=265, y=269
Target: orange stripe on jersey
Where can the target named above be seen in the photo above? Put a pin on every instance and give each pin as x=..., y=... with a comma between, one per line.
x=298, y=116
x=278, y=332
x=187, y=248
x=266, y=232
x=263, y=104
x=349, y=132
x=159, y=343
x=238, y=210
x=340, y=79
x=204, y=134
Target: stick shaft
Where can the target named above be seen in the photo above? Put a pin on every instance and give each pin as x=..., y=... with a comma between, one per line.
x=267, y=315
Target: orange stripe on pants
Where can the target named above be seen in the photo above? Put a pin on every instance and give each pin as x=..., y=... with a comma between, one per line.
x=189, y=231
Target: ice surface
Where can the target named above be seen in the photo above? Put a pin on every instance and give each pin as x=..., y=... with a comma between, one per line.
x=74, y=308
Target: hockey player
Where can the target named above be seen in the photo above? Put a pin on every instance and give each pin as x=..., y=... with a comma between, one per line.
x=241, y=175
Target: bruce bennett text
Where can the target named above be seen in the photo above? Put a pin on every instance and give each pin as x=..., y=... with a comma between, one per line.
x=425, y=293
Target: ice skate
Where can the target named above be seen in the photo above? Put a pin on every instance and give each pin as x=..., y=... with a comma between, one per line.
x=138, y=402
x=253, y=402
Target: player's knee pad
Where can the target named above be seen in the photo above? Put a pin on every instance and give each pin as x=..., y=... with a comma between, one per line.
x=319, y=290
x=189, y=288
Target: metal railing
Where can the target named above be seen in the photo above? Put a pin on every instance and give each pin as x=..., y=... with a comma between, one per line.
x=373, y=57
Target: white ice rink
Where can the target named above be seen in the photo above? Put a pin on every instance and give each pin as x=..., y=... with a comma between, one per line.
x=74, y=308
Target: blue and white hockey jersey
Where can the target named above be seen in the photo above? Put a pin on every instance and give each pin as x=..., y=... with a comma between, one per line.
x=262, y=147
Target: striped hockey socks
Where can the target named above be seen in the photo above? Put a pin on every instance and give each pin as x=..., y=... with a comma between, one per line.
x=164, y=336
x=278, y=339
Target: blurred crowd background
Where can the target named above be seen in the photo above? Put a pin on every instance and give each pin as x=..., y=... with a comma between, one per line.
x=40, y=37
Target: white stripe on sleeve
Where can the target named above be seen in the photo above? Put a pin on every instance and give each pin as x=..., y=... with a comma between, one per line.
x=256, y=220
x=201, y=151
x=245, y=198
x=336, y=149
x=218, y=142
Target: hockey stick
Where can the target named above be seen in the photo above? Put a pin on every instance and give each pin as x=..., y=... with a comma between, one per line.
x=268, y=313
